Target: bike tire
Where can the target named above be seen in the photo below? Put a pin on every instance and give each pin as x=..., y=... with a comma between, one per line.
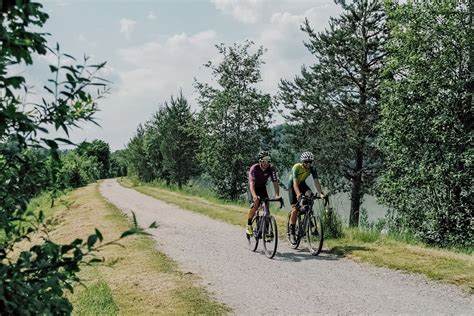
x=315, y=234
x=270, y=229
x=298, y=238
x=253, y=239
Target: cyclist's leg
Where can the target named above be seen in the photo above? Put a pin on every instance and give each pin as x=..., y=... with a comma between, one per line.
x=294, y=211
x=293, y=201
x=253, y=208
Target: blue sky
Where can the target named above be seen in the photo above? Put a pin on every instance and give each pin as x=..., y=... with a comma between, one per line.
x=155, y=48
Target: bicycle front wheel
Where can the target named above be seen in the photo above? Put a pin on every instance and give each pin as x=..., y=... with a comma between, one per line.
x=253, y=239
x=315, y=234
x=270, y=236
x=297, y=231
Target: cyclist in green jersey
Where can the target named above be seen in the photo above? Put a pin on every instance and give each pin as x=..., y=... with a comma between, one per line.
x=297, y=186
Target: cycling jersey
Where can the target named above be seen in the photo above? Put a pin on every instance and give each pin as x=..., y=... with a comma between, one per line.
x=260, y=177
x=301, y=173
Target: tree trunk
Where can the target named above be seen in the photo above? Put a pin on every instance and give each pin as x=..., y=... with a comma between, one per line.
x=356, y=194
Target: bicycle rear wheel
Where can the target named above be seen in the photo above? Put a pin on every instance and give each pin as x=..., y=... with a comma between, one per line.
x=270, y=236
x=315, y=234
x=253, y=239
x=297, y=233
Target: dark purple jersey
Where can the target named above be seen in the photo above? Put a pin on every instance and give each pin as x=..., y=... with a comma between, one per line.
x=260, y=177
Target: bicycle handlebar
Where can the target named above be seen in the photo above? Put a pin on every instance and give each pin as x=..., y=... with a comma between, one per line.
x=317, y=197
x=274, y=200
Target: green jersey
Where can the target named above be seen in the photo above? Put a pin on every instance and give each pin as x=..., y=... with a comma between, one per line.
x=301, y=173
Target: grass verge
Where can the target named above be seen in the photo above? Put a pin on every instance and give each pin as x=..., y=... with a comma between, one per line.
x=136, y=278
x=383, y=251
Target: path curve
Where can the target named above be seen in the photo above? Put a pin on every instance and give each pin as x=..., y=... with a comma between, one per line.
x=294, y=282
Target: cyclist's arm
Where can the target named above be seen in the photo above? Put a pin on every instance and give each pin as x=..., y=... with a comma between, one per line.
x=296, y=187
x=317, y=185
x=252, y=190
x=276, y=187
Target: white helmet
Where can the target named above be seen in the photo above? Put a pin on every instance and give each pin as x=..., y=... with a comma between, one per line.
x=307, y=156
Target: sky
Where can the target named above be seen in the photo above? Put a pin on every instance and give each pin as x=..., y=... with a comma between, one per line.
x=155, y=48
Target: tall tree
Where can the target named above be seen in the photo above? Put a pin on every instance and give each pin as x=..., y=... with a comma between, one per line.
x=101, y=151
x=427, y=120
x=178, y=144
x=139, y=164
x=233, y=119
x=333, y=107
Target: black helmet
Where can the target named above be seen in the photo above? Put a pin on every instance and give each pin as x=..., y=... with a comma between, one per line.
x=263, y=155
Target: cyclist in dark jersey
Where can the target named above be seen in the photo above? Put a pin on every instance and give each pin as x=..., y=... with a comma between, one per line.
x=258, y=176
x=297, y=186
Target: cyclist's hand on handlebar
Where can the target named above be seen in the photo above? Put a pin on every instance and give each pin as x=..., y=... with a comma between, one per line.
x=255, y=199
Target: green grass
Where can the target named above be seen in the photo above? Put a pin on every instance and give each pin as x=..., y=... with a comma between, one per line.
x=142, y=264
x=399, y=252
x=96, y=299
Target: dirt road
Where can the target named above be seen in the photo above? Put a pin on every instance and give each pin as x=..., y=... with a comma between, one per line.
x=294, y=282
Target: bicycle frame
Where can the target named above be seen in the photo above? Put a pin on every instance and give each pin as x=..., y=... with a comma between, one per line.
x=265, y=223
x=307, y=218
x=265, y=204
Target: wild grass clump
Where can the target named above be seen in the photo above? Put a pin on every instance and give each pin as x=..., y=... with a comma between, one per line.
x=96, y=299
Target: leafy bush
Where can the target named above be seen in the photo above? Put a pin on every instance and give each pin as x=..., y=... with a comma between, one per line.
x=77, y=171
x=332, y=223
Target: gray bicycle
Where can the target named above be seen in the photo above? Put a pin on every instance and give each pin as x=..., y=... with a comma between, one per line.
x=309, y=224
x=265, y=228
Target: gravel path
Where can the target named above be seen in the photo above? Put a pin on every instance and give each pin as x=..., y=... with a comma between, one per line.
x=294, y=282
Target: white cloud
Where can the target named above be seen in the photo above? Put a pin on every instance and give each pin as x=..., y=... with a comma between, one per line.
x=127, y=26
x=151, y=15
x=163, y=66
x=245, y=11
x=81, y=38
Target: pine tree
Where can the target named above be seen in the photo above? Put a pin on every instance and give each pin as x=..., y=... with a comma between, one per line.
x=178, y=142
x=333, y=107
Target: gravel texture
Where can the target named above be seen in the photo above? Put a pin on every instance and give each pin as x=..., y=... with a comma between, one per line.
x=294, y=282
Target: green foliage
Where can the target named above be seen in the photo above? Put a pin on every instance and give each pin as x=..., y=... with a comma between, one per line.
x=234, y=118
x=178, y=144
x=101, y=151
x=165, y=149
x=77, y=171
x=427, y=125
x=142, y=160
x=34, y=281
x=333, y=106
x=118, y=164
x=332, y=223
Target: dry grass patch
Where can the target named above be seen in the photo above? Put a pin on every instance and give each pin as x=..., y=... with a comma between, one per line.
x=141, y=279
x=437, y=264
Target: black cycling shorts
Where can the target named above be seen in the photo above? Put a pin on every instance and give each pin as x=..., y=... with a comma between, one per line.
x=261, y=192
x=292, y=194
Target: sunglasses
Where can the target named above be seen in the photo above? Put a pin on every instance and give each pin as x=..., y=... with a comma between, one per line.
x=308, y=161
x=267, y=161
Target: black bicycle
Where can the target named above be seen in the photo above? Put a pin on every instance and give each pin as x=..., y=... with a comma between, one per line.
x=309, y=223
x=265, y=228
